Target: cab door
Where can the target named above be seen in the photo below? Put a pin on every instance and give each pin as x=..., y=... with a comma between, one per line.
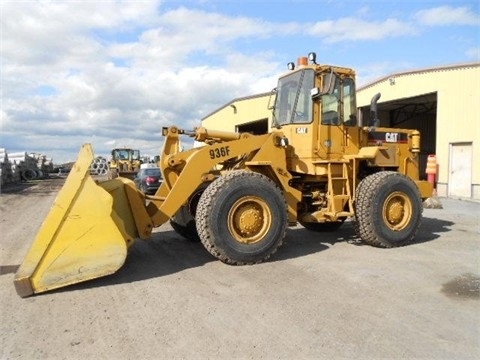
x=338, y=113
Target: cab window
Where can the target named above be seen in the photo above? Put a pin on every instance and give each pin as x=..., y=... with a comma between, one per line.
x=334, y=111
x=293, y=103
x=349, y=104
x=330, y=105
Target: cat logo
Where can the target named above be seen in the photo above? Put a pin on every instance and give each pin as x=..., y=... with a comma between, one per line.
x=391, y=137
x=301, y=130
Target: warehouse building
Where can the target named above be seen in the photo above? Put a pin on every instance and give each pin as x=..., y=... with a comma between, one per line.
x=247, y=114
x=443, y=103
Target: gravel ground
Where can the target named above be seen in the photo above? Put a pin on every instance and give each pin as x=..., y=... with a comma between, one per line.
x=322, y=296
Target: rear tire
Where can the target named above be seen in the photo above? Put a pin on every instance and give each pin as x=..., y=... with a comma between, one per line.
x=184, y=224
x=242, y=218
x=388, y=209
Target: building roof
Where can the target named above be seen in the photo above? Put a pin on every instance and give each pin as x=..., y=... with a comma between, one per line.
x=235, y=101
x=420, y=71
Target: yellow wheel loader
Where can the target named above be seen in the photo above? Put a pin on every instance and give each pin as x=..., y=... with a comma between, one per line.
x=238, y=194
x=124, y=162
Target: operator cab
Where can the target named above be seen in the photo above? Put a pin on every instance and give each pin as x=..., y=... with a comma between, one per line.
x=315, y=108
x=332, y=89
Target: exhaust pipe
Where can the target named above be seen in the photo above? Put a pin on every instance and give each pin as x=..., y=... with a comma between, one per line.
x=374, y=120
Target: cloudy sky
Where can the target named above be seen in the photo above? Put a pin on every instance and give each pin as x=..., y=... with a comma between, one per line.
x=112, y=73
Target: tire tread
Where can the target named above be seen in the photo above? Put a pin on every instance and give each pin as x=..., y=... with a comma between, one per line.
x=204, y=212
x=364, y=224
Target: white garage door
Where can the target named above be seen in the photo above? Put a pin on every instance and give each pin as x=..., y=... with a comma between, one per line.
x=460, y=176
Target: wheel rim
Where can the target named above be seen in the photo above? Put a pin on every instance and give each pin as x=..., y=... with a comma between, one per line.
x=249, y=219
x=397, y=211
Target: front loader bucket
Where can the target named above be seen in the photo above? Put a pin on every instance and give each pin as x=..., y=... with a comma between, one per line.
x=85, y=235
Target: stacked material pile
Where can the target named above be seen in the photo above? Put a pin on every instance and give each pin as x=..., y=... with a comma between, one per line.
x=22, y=166
x=7, y=174
x=99, y=166
x=44, y=164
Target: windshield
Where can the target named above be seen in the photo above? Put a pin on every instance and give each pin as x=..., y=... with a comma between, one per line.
x=293, y=103
x=121, y=154
x=126, y=154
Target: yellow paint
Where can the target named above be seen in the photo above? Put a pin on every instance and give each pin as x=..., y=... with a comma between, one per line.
x=85, y=235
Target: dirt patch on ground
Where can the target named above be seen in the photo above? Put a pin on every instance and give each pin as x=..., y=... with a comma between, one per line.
x=320, y=296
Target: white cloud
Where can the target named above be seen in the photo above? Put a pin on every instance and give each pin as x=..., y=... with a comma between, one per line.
x=377, y=70
x=61, y=45
x=447, y=15
x=117, y=71
x=353, y=29
x=473, y=53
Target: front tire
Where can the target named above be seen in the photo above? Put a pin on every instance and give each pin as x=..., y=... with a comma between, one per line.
x=388, y=209
x=242, y=218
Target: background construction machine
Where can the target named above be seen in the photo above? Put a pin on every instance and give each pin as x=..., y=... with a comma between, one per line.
x=124, y=162
x=238, y=193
